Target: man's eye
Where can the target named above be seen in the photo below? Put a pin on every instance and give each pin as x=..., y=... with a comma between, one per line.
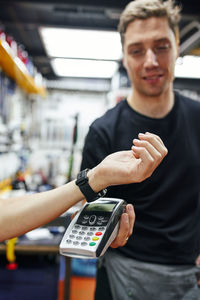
x=137, y=52
x=160, y=49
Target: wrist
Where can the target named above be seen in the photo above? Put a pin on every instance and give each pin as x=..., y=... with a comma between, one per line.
x=90, y=185
x=96, y=180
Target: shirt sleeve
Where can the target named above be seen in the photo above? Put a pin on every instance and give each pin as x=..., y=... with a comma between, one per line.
x=94, y=150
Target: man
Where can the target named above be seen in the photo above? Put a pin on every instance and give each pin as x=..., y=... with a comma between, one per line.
x=158, y=261
x=21, y=214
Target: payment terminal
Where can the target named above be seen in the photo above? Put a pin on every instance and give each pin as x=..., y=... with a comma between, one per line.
x=93, y=228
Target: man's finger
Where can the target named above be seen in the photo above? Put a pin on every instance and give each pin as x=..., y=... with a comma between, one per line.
x=131, y=215
x=123, y=232
x=157, y=156
x=156, y=136
x=155, y=141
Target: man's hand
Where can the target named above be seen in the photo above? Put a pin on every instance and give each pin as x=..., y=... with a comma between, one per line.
x=197, y=262
x=151, y=150
x=126, y=167
x=132, y=166
x=125, y=228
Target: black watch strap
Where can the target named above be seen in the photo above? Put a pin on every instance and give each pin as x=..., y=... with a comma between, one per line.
x=82, y=182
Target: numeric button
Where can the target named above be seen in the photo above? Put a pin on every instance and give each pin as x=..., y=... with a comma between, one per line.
x=76, y=243
x=89, y=233
x=83, y=244
x=77, y=226
x=72, y=236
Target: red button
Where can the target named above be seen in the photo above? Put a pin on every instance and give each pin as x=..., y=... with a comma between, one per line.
x=98, y=233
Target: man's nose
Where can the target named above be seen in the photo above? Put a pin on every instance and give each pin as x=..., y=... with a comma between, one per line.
x=150, y=59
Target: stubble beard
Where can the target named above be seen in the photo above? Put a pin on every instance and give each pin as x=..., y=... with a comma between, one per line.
x=151, y=91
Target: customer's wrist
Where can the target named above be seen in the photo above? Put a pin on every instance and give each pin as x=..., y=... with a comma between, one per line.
x=96, y=179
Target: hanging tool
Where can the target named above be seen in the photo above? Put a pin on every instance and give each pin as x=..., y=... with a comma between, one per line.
x=10, y=254
x=74, y=140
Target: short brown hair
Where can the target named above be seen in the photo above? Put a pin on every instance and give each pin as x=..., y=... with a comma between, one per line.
x=144, y=9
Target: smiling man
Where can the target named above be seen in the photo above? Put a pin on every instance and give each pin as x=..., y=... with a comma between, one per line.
x=149, y=58
x=158, y=261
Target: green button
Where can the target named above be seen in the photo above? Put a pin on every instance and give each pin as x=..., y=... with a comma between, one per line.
x=92, y=244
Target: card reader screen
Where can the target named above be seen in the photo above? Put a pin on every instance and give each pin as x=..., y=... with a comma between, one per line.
x=100, y=207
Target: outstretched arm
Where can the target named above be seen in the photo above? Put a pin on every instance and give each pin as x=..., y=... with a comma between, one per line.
x=21, y=214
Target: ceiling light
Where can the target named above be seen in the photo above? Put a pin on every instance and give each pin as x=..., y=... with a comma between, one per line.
x=188, y=67
x=79, y=43
x=84, y=68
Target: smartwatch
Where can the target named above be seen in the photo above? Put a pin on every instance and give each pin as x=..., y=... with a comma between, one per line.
x=87, y=191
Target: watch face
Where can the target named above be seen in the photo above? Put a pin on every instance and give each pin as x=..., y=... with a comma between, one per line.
x=82, y=177
x=82, y=182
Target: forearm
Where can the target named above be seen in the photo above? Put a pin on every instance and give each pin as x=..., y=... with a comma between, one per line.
x=22, y=214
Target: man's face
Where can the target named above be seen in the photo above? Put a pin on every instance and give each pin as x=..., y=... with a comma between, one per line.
x=150, y=52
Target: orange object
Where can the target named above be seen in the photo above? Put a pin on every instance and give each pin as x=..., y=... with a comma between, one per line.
x=61, y=289
x=82, y=288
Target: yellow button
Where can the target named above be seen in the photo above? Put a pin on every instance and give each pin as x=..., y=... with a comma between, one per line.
x=95, y=238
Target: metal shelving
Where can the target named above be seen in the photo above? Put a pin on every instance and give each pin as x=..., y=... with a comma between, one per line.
x=17, y=70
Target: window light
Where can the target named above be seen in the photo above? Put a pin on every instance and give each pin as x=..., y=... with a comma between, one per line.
x=79, y=43
x=84, y=68
x=188, y=67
